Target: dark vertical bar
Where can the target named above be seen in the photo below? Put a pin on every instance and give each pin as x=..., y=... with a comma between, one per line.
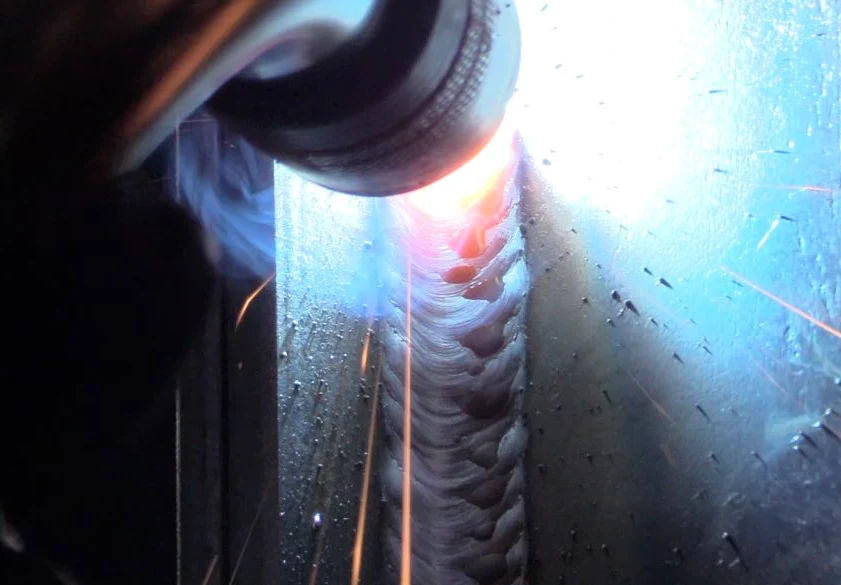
x=201, y=385
x=229, y=414
x=250, y=352
x=202, y=430
x=249, y=358
x=224, y=444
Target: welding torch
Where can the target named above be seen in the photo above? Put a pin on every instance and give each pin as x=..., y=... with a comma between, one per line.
x=370, y=97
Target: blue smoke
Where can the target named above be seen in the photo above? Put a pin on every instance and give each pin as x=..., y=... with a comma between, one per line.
x=328, y=243
x=229, y=187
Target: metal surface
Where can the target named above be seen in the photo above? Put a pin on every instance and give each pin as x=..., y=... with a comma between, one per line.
x=685, y=163
x=325, y=307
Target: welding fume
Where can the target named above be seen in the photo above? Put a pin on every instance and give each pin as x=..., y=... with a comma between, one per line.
x=111, y=271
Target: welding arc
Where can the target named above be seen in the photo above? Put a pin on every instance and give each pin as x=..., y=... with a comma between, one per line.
x=467, y=374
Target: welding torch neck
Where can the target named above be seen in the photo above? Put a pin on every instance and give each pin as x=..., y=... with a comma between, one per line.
x=371, y=97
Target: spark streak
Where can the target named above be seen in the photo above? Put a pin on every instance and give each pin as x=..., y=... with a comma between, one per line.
x=648, y=395
x=670, y=458
x=773, y=381
x=774, y=225
x=250, y=298
x=799, y=312
x=366, y=481
x=211, y=567
x=803, y=188
x=250, y=532
x=406, y=544
x=316, y=560
x=363, y=362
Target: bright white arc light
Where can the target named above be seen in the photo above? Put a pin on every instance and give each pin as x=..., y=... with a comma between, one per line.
x=602, y=94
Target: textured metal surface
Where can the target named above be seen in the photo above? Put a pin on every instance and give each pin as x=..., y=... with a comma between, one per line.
x=467, y=282
x=324, y=311
x=685, y=163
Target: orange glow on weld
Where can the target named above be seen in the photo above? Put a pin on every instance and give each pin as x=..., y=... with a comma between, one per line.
x=458, y=192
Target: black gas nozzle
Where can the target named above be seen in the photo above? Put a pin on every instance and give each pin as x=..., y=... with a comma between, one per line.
x=418, y=91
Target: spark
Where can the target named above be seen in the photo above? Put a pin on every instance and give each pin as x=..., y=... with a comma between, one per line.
x=211, y=567
x=406, y=544
x=801, y=313
x=363, y=362
x=320, y=520
x=648, y=395
x=774, y=225
x=316, y=561
x=366, y=481
x=250, y=532
x=250, y=298
x=667, y=453
x=802, y=188
x=773, y=381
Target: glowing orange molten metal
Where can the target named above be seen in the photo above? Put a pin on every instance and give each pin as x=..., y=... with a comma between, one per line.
x=460, y=190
